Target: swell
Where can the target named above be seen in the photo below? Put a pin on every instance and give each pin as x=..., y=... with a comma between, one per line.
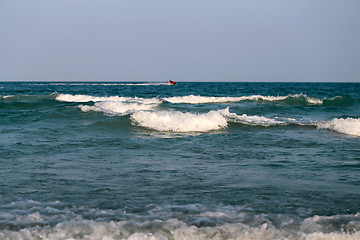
x=28, y=102
x=292, y=99
x=26, y=98
x=153, y=113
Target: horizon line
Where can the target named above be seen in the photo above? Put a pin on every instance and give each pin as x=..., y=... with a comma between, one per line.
x=179, y=81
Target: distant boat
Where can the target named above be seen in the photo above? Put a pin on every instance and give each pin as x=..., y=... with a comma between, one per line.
x=171, y=82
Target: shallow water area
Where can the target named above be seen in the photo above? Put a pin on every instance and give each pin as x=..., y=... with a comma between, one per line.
x=123, y=160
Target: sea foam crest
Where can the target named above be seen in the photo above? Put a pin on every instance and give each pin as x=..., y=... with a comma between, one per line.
x=258, y=120
x=176, y=121
x=192, y=99
x=349, y=126
x=116, y=108
x=89, y=98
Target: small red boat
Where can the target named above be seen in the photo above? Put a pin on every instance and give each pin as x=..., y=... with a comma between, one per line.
x=171, y=82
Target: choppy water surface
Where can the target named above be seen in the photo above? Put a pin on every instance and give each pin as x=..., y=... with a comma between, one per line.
x=191, y=161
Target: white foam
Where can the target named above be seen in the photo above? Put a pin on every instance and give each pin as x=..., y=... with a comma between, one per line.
x=117, y=108
x=7, y=96
x=258, y=120
x=89, y=98
x=349, y=126
x=192, y=99
x=176, y=121
x=36, y=220
x=168, y=229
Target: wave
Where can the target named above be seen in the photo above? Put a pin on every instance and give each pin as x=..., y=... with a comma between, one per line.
x=301, y=99
x=26, y=98
x=89, y=98
x=295, y=99
x=192, y=99
x=176, y=121
x=260, y=120
x=116, y=108
x=144, y=113
x=35, y=220
x=349, y=126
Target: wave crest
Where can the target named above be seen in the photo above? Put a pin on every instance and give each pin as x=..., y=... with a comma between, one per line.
x=176, y=121
x=89, y=98
x=116, y=108
x=143, y=112
x=192, y=99
x=292, y=99
x=349, y=126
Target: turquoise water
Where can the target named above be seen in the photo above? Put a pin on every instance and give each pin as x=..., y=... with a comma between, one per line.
x=192, y=161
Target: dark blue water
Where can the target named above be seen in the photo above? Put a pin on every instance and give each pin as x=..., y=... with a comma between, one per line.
x=191, y=161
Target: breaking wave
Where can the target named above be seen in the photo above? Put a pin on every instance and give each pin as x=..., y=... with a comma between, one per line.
x=295, y=99
x=144, y=111
x=116, y=108
x=35, y=220
x=349, y=126
x=301, y=99
x=176, y=121
x=88, y=98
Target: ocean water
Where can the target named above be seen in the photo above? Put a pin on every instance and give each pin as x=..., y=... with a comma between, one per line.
x=121, y=160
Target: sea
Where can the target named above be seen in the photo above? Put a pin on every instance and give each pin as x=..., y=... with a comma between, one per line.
x=198, y=160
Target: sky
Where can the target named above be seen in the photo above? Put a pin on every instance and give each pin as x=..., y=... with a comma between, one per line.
x=197, y=40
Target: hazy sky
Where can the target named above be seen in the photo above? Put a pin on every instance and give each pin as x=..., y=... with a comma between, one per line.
x=197, y=40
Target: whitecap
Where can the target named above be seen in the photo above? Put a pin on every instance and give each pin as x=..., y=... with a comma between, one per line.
x=193, y=99
x=176, y=121
x=88, y=98
x=349, y=126
x=116, y=108
x=257, y=120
